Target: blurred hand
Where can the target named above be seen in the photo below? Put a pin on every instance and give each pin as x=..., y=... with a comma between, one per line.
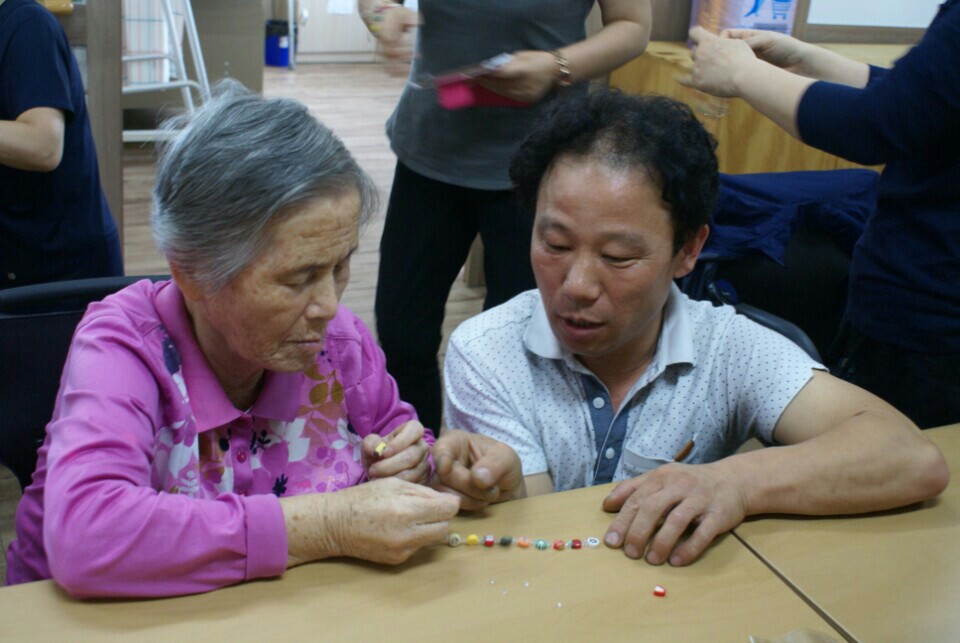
x=717, y=62
x=384, y=521
x=396, y=39
x=477, y=468
x=658, y=507
x=775, y=48
x=404, y=457
x=528, y=77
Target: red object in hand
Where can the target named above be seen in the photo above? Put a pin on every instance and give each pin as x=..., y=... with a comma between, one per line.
x=466, y=93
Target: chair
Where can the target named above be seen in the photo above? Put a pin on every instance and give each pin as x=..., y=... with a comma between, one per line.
x=782, y=242
x=36, y=327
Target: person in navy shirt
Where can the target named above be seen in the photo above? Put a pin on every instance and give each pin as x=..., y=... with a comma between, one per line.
x=55, y=223
x=904, y=304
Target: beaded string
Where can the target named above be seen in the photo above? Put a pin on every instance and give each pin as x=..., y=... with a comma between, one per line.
x=455, y=540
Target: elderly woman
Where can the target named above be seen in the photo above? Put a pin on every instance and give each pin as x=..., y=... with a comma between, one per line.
x=200, y=420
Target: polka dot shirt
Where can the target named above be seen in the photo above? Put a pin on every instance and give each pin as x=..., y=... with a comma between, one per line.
x=717, y=379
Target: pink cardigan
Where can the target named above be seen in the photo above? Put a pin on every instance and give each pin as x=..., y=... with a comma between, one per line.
x=150, y=482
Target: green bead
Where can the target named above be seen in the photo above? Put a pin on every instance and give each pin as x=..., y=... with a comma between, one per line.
x=541, y=545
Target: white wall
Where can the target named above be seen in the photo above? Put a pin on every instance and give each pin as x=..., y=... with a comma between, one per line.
x=873, y=13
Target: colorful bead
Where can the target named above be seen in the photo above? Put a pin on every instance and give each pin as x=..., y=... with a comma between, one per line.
x=506, y=541
x=576, y=544
x=380, y=448
x=523, y=541
x=659, y=591
x=559, y=545
x=454, y=540
x=488, y=540
x=541, y=544
x=473, y=539
x=592, y=542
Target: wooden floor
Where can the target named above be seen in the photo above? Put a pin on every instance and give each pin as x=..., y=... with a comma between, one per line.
x=354, y=100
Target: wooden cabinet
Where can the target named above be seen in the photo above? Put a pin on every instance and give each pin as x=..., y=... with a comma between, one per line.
x=747, y=141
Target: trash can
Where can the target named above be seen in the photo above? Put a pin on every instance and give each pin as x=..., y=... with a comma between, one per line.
x=277, y=45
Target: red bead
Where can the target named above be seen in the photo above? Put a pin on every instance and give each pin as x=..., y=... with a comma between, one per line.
x=488, y=541
x=659, y=591
x=576, y=544
x=559, y=545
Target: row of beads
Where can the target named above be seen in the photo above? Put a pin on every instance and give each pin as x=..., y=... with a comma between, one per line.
x=454, y=540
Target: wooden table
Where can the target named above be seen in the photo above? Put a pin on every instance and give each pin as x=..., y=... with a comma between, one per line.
x=747, y=140
x=893, y=576
x=456, y=594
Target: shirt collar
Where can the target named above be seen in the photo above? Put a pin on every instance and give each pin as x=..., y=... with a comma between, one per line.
x=674, y=346
x=279, y=398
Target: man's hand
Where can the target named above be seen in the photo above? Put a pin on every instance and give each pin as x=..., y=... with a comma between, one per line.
x=658, y=507
x=477, y=468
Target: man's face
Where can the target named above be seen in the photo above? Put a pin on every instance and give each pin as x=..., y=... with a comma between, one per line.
x=602, y=254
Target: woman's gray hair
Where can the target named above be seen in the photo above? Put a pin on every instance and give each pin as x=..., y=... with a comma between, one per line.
x=238, y=165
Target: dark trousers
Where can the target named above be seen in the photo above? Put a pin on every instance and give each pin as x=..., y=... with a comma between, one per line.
x=923, y=386
x=427, y=234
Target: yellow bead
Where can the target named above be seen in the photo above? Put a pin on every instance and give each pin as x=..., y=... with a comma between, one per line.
x=473, y=539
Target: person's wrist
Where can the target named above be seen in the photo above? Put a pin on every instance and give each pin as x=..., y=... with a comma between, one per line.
x=562, y=76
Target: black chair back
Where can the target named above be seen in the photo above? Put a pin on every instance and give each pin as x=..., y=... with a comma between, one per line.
x=36, y=327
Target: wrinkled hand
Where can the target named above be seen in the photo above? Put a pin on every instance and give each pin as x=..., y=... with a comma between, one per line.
x=404, y=457
x=775, y=48
x=477, y=468
x=395, y=39
x=658, y=507
x=528, y=77
x=717, y=62
x=387, y=521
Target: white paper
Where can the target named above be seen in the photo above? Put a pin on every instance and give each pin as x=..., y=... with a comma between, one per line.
x=341, y=7
x=873, y=13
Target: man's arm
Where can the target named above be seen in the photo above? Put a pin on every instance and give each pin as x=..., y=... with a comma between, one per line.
x=33, y=142
x=847, y=452
x=538, y=484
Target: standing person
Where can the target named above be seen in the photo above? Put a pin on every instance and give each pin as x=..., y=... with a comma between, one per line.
x=904, y=305
x=54, y=219
x=451, y=178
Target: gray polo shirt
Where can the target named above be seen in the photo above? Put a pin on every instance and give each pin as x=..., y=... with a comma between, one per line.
x=717, y=379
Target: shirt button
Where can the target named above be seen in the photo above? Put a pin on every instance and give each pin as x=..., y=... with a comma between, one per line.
x=609, y=453
x=242, y=456
x=598, y=402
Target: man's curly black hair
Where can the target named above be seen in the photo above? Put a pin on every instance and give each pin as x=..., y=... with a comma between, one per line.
x=649, y=133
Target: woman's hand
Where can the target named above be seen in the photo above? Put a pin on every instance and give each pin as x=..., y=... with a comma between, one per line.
x=404, y=455
x=383, y=521
x=395, y=37
x=527, y=78
x=478, y=468
x=717, y=63
x=780, y=50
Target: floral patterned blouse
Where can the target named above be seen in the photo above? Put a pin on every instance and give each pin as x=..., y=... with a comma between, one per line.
x=151, y=483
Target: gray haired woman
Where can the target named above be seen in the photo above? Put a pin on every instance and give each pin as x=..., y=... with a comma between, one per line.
x=201, y=420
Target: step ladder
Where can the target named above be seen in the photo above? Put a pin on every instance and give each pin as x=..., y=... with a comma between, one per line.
x=163, y=47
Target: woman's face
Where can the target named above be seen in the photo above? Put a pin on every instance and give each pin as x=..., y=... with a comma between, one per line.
x=274, y=314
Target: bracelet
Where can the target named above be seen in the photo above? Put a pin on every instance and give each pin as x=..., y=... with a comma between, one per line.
x=563, y=68
x=374, y=18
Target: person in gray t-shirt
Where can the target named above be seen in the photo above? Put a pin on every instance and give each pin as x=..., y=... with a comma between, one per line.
x=451, y=179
